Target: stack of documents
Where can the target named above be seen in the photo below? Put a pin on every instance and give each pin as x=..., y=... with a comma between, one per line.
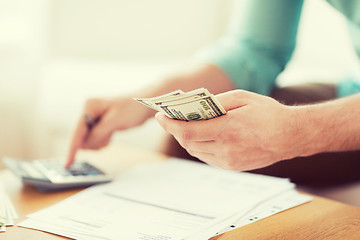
x=171, y=200
x=7, y=210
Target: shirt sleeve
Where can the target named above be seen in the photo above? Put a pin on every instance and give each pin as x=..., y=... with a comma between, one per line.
x=258, y=44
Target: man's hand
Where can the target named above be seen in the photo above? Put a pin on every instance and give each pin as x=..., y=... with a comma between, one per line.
x=257, y=131
x=108, y=116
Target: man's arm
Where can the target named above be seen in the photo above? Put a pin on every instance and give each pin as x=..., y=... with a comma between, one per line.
x=331, y=126
x=258, y=131
x=258, y=44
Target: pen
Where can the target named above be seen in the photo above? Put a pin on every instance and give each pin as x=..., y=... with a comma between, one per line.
x=90, y=123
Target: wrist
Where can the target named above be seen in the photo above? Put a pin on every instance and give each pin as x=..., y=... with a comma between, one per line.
x=307, y=131
x=327, y=127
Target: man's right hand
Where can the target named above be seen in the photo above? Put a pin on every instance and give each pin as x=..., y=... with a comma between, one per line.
x=108, y=115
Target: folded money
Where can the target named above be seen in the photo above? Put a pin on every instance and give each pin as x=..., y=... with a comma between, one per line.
x=198, y=104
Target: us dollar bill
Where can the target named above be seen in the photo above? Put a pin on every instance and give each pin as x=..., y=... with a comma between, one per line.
x=150, y=102
x=198, y=104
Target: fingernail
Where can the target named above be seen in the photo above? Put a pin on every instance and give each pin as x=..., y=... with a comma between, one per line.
x=158, y=116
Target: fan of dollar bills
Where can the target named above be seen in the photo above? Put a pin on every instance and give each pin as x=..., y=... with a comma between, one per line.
x=198, y=104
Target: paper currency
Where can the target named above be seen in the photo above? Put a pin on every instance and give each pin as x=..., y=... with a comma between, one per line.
x=198, y=104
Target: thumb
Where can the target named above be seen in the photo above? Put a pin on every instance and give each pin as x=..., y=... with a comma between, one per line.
x=235, y=99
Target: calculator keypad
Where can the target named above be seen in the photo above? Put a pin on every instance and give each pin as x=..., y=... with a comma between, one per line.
x=77, y=169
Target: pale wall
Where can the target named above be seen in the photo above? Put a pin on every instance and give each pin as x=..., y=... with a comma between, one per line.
x=55, y=54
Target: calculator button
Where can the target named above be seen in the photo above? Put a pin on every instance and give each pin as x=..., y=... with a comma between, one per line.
x=31, y=171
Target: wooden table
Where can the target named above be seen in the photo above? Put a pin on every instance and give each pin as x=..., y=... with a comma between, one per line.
x=319, y=219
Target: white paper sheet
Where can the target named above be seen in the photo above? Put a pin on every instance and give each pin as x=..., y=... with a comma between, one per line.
x=7, y=210
x=172, y=200
x=284, y=201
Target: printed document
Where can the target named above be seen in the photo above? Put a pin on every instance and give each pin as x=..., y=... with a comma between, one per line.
x=171, y=200
x=7, y=210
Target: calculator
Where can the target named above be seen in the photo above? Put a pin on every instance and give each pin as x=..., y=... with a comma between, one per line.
x=50, y=174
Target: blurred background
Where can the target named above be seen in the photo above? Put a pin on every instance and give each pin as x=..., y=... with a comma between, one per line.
x=56, y=54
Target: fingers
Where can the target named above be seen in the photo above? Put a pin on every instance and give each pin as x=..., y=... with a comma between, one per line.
x=206, y=151
x=198, y=146
x=193, y=131
x=77, y=141
x=93, y=110
x=100, y=134
x=209, y=158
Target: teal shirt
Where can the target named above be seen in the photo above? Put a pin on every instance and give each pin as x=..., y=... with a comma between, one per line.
x=261, y=39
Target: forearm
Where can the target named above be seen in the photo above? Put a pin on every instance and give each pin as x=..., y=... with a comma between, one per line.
x=207, y=76
x=327, y=127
